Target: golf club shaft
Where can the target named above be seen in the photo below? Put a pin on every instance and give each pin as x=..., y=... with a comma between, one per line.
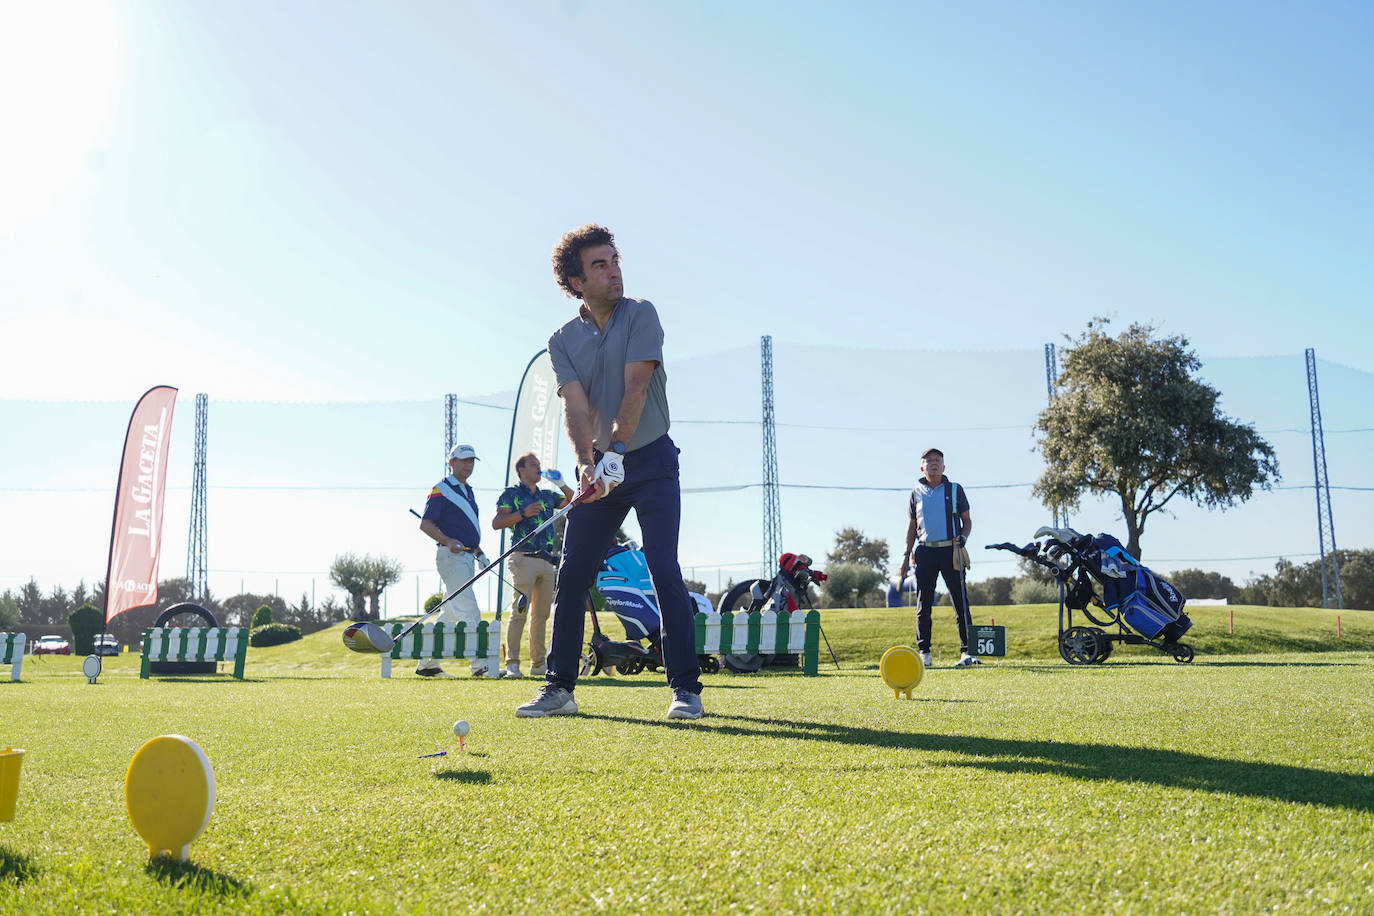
x=963, y=573
x=827, y=645
x=503, y=578
x=580, y=497
x=806, y=593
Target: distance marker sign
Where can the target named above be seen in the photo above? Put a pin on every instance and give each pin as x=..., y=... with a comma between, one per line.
x=989, y=640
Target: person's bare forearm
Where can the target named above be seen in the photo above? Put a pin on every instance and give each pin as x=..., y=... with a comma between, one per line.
x=429, y=527
x=578, y=422
x=637, y=376
x=577, y=419
x=506, y=518
x=627, y=417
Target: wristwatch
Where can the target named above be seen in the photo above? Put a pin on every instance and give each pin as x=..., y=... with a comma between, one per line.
x=618, y=447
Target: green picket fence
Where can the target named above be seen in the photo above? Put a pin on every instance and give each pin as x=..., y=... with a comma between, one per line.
x=195, y=644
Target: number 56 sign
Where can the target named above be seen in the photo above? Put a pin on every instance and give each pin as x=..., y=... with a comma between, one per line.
x=989, y=640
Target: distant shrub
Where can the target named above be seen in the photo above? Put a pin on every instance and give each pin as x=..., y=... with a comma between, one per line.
x=1029, y=591
x=261, y=617
x=433, y=600
x=273, y=634
x=85, y=623
x=994, y=591
x=1196, y=583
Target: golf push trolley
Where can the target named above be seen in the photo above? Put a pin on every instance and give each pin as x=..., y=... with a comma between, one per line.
x=625, y=589
x=1097, y=572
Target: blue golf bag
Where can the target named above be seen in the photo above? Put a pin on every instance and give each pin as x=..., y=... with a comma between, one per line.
x=1145, y=602
x=625, y=588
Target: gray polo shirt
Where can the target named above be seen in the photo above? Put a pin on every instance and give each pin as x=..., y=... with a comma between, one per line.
x=581, y=353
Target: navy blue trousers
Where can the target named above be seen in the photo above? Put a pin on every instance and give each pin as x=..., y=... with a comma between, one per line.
x=933, y=562
x=651, y=489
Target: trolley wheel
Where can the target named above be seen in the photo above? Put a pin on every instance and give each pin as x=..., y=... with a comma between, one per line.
x=588, y=665
x=629, y=667
x=709, y=664
x=1183, y=653
x=1104, y=645
x=186, y=614
x=1078, y=645
x=741, y=596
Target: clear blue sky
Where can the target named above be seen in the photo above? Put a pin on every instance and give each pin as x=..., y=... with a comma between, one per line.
x=328, y=201
x=323, y=200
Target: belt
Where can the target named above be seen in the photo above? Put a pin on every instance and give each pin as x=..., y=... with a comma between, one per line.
x=541, y=554
x=944, y=543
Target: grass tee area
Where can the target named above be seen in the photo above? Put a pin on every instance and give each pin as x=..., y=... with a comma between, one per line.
x=1242, y=782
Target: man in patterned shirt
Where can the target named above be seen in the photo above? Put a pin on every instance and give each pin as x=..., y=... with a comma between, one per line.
x=525, y=507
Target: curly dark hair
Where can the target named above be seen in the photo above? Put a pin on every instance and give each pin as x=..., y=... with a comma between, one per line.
x=567, y=254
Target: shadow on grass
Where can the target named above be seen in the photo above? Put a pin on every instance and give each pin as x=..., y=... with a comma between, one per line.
x=708, y=680
x=471, y=777
x=192, y=877
x=1222, y=662
x=203, y=679
x=15, y=867
x=1148, y=662
x=1100, y=762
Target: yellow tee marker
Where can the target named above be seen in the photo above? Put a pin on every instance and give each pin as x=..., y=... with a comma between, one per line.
x=901, y=669
x=10, y=759
x=170, y=792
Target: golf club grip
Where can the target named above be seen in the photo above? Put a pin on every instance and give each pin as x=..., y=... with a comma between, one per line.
x=580, y=497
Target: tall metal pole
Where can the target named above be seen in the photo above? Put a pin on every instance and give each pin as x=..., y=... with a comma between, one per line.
x=450, y=426
x=1326, y=531
x=772, y=503
x=196, y=545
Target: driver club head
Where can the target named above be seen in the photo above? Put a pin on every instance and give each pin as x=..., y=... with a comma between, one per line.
x=367, y=638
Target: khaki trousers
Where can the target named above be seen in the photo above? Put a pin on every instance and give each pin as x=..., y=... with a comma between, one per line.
x=534, y=577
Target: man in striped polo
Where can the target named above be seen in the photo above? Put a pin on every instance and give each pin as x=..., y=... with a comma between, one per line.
x=938, y=528
x=451, y=520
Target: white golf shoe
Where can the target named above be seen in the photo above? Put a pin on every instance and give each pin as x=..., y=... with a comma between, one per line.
x=925, y=659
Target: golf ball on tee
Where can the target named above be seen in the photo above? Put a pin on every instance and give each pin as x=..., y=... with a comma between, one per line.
x=460, y=728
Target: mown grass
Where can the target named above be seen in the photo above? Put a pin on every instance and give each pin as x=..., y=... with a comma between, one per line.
x=1240, y=783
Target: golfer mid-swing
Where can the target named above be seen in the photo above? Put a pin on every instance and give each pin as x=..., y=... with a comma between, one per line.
x=608, y=363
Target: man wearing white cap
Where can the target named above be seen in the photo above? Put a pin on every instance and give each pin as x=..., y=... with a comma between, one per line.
x=451, y=520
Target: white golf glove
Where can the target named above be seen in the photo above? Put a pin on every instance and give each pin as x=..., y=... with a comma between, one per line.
x=610, y=471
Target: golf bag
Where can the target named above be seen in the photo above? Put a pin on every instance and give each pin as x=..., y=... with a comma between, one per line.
x=1145, y=602
x=1144, y=607
x=625, y=588
x=786, y=591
